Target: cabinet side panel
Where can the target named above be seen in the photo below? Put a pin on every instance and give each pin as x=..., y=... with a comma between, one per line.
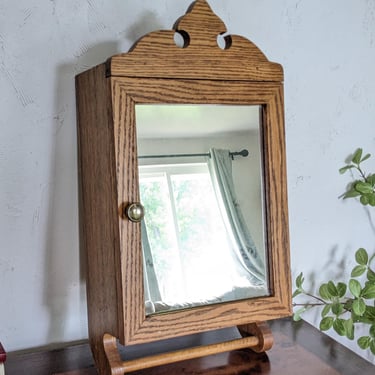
x=98, y=205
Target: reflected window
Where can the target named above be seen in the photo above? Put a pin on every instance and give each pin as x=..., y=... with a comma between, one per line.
x=187, y=237
x=183, y=227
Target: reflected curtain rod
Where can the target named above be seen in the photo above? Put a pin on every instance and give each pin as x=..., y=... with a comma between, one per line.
x=243, y=153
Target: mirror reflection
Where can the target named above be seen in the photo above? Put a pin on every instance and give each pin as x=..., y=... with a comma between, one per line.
x=200, y=178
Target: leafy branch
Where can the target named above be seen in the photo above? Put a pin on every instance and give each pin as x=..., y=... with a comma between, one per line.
x=344, y=305
x=364, y=187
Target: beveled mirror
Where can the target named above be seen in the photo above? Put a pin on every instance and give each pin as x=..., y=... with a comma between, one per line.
x=194, y=132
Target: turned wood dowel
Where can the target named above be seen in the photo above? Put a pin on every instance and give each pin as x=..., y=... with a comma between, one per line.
x=120, y=367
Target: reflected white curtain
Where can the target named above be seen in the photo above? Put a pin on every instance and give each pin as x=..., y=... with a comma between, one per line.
x=220, y=167
x=151, y=286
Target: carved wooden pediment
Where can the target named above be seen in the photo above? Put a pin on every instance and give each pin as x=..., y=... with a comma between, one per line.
x=157, y=55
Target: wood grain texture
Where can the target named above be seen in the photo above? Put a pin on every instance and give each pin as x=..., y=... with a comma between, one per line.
x=131, y=91
x=156, y=54
x=98, y=207
x=119, y=367
x=260, y=330
x=299, y=349
x=154, y=71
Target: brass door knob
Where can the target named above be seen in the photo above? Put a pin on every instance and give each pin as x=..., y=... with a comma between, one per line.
x=135, y=212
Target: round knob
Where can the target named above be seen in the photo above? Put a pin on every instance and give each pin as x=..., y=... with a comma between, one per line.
x=135, y=212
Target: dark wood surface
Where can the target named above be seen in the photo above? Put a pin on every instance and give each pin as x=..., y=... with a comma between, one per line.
x=299, y=349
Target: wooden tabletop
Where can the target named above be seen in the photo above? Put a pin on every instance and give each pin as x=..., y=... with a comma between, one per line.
x=299, y=349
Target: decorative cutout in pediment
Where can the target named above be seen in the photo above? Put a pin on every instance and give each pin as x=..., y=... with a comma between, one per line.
x=200, y=25
x=200, y=56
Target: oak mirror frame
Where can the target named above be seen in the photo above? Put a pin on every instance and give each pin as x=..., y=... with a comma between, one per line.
x=156, y=71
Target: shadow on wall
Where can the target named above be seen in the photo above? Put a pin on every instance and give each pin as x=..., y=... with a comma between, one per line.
x=370, y=218
x=333, y=269
x=65, y=294
x=147, y=23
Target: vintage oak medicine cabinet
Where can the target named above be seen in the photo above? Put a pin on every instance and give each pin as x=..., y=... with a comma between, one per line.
x=168, y=90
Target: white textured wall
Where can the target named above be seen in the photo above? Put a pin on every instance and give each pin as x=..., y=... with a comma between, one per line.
x=327, y=49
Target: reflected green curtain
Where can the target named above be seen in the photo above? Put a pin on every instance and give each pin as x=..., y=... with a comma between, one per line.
x=151, y=286
x=220, y=167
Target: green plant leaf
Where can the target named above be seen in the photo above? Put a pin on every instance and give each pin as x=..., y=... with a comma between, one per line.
x=349, y=329
x=299, y=280
x=358, y=271
x=352, y=193
x=369, y=283
x=359, y=306
x=297, y=314
x=339, y=327
x=364, y=342
x=368, y=292
x=344, y=169
x=371, y=199
x=326, y=323
x=361, y=319
x=348, y=305
x=356, y=158
x=297, y=317
x=355, y=287
x=370, y=275
x=324, y=293
x=363, y=187
x=371, y=179
x=296, y=293
x=332, y=290
x=368, y=317
x=370, y=312
x=356, y=318
x=361, y=256
x=364, y=200
x=337, y=308
x=325, y=311
x=372, y=347
x=367, y=156
x=372, y=331
x=341, y=289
